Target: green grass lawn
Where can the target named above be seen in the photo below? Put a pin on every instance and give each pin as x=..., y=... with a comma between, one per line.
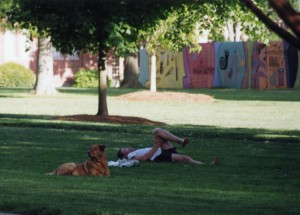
x=256, y=134
x=231, y=108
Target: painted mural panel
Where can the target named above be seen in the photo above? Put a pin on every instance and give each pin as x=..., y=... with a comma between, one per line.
x=297, y=81
x=199, y=67
x=248, y=51
x=230, y=65
x=169, y=69
x=276, y=66
x=238, y=65
x=144, y=67
x=292, y=64
x=268, y=66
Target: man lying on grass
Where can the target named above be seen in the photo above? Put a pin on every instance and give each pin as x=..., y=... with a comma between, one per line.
x=162, y=150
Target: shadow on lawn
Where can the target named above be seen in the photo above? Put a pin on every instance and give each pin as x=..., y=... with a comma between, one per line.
x=32, y=145
x=42, y=121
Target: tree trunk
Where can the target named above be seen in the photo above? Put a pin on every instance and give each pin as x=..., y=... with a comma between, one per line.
x=102, y=101
x=291, y=39
x=131, y=73
x=121, y=68
x=153, y=73
x=230, y=30
x=44, y=81
x=238, y=32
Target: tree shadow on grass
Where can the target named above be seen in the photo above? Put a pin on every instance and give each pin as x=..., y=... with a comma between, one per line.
x=139, y=125
x=254, y=163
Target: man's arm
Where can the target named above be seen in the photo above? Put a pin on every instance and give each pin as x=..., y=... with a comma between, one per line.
x=149, y=154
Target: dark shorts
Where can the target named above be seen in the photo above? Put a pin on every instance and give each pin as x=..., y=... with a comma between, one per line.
x=166, y=155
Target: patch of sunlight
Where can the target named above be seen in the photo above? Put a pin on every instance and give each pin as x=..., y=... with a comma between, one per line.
x=20, y=179
x=276, y=136
x=87, y=137
x=9, y=147
x=61, y=191
x=233, y=194
x=19, y=142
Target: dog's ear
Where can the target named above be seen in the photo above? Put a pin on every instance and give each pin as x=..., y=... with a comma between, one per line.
x=102, y=147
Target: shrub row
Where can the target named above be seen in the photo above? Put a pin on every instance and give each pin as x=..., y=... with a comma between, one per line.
x=88, y=79
x=16, y=75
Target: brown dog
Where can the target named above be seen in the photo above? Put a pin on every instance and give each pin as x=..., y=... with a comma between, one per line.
x=95, y=166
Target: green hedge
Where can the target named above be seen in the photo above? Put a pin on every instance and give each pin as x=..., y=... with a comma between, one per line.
x=86, y=78
x=16, y=75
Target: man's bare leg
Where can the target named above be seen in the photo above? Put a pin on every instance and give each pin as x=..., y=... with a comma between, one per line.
x=185, y=158
x=162, y=135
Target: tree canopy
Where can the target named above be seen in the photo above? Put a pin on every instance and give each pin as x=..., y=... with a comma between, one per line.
x=5, y=8
x=101, y=25
x=290, y=30
x=90, y=25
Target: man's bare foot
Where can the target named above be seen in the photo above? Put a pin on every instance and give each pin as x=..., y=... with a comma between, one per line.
x=185, y=141
x=216, y=161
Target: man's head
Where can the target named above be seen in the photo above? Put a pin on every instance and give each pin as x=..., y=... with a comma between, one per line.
x=123, y=152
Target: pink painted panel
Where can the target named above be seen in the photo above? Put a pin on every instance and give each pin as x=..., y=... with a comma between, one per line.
x=199, y=67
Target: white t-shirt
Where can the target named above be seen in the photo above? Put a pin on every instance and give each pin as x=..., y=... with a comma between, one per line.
x=141, y=152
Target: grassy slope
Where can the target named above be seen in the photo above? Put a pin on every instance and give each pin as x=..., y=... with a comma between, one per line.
x=259, y=172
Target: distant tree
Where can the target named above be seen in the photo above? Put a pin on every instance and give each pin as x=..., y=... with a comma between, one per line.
x=131, y=71
x=72, y=26
x=92, y=25
x=44, y=75
x=176, y=31
x=241, y=24
x=5, y=8
x=184, y=25
x=44, y=81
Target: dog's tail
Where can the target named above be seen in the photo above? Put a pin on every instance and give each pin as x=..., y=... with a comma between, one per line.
x=54, y=172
